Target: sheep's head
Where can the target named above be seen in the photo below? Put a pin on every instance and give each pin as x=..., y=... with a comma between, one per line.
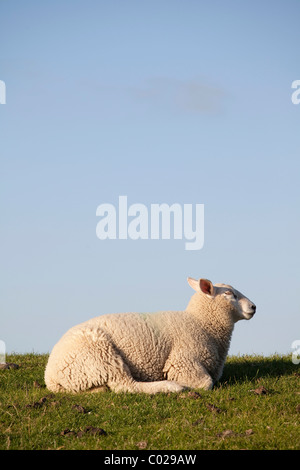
x=240, y=306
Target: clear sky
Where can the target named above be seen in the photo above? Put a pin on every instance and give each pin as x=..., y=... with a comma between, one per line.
x=184, y=102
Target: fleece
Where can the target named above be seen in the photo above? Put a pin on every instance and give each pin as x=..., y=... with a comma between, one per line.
x=150, y=352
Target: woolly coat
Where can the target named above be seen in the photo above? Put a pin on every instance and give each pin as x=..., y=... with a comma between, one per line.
x=163, y=351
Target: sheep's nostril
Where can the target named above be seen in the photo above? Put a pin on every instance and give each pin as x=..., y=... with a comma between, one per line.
x=253, y=308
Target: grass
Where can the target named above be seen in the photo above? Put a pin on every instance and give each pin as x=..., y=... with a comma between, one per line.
x=256, y=405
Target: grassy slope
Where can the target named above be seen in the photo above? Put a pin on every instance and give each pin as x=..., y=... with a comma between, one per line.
x=231, y=416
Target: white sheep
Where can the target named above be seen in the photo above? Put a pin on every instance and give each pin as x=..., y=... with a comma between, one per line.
x=152, y=352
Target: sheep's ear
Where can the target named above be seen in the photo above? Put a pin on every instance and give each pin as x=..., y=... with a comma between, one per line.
x=206, y=286
x=194, y=284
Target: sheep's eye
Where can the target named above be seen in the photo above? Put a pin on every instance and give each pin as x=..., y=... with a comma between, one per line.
x=229, y=292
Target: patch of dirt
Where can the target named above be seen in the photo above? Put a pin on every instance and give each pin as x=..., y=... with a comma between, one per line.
x=80, y=409
x=260, y=391
x=231, y=433
x=91, y=430
x=213, y=408
x=9, y=365
x=37, y=404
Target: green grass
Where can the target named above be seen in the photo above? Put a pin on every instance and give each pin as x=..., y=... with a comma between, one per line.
x=231, y=416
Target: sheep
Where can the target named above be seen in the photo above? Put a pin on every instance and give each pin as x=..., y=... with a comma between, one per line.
x=151, y=352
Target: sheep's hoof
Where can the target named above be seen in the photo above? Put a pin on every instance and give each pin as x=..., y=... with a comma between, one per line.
x=174, y=386
x=207, y=383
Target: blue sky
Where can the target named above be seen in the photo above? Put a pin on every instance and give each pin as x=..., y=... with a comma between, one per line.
x=165, y=102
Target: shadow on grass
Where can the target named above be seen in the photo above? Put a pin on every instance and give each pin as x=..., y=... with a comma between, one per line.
x=239, y=369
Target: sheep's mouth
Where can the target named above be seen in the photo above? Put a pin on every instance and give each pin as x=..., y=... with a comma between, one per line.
x=249, y=315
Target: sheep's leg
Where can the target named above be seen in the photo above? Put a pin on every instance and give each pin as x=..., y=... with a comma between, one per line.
x=162, y=386
x=189, y=374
